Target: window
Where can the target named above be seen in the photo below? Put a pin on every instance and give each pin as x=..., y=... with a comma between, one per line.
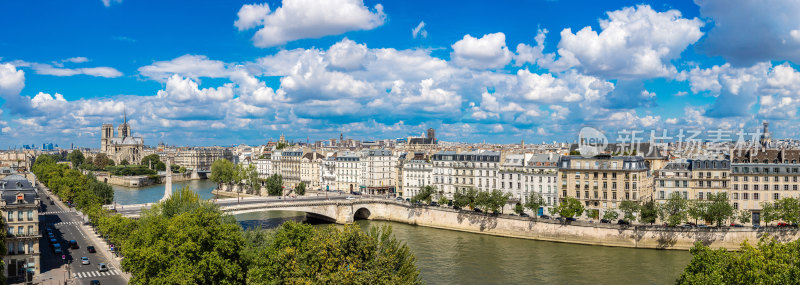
x=735, y=196
x=627, y=196
x=30, y=215
x=661, y=195
x=736, y=205
x=735, y=186
x=10, y=216
x=745, y=196
x=776, y=196
x=755, y=196
x=614, y=196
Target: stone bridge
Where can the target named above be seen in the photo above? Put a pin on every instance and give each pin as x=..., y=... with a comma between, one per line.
x=338, y=210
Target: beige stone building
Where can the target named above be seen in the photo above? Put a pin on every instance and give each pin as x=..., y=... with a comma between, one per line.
x=708, y=177
x=310, y=166
x=121, y=146
x=601, y=182
x=19, y=206
x=764, y=175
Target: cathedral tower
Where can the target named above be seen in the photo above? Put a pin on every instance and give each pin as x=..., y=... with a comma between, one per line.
x=106, y=133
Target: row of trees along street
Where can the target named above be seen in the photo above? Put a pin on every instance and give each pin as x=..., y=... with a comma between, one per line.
x=186, y=240
x=225, y=172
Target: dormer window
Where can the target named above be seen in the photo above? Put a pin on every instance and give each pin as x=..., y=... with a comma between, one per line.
x=20, y=198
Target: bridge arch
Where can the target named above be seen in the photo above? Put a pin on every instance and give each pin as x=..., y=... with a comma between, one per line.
x=361, y=214
x=310, y=213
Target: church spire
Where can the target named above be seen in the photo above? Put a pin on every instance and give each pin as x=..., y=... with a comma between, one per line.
x=125, y=112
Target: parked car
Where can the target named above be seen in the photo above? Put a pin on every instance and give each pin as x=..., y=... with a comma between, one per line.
x=53, y=241
x=559, y=219
x=51, y=235
x=52, y=203
x=571, y=219
x=94, y=282
x=756, y=226
x=495, y=213
x=356, y=193
x=350, y=198
x=102, y=267
x=546, y=217
x=90, y=249
x=456, y=208
x=523, y=215
x=399, y=199
x=735, y=225
x=85, y=260
x=478, y=210
x=783, y=224
x=73, y=244
x=687, y=226
x=58, y=250
x=604, y=221
x=433, y=203
x=623, y=222
x=702, y=226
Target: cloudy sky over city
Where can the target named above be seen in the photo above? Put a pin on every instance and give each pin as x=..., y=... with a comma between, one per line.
x=228, y=72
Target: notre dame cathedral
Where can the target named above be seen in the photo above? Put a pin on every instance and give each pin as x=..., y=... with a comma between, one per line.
x=123, y=146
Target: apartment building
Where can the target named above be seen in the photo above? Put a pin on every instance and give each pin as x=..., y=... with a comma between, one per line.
x=348, y=171
x=328, y=174
x=512, y=175
x=673, y=177
x=454, y=171
x=541, y=176
x=198, y=158
x=264, y=166
x=601, y=182
x=764, y=175
x=288, y=164
x=310, y=170
x=19, y=206
x=416, y=174
x=376, y=174
x=709, y=176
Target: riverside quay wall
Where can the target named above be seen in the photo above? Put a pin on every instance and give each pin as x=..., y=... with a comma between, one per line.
x=653, y=237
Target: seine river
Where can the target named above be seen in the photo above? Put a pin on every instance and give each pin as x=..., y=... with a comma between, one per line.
x=451, y=257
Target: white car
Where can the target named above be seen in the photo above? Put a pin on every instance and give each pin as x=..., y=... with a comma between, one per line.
x=350, y=198
x=85, y=260
x=102, y=267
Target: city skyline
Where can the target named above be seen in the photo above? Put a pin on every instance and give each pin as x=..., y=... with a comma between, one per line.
x=229, y=73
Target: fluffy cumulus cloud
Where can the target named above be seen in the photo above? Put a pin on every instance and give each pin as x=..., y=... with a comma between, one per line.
x=772, y=92
x=634, y=42
x=193, y=66
x=489, y=51
x=304, y=19
x=750, y=31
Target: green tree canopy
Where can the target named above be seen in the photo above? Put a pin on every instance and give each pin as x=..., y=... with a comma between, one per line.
x=464, y=198
x=274, y=185
x=76, y=157
x=569, y=207
x=300, y=189
x=152, y=161
x=629, y=209
x=222, y=171
x=302, y=254
x=610, y=215
x=648, y=212
x=770, y=262
x=425, y=194
x=719, y=209
x=534, y=202
x=674, y=211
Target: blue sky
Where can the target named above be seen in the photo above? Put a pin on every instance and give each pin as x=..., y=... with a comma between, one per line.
x=227, y=72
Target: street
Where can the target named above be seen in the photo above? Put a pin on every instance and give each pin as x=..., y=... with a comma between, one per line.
x=65, y=224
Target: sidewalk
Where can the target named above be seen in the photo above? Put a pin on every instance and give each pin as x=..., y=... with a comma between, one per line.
x=101, y=245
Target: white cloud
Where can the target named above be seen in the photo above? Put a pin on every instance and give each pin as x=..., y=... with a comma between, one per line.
x=251, y=16
x=750, y=32
x=572, y=88
x=347, y=55
x=635, y=42
x=192, y=66
x=107, y=3
x=48, y=69
x=79, y=59
x=11, y=80
x=303, y=19
x=419, y=31
x=487, y=52
x=184, y=90
x=533, y=54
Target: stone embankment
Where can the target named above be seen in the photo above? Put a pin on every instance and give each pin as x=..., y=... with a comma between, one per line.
x=653, y=237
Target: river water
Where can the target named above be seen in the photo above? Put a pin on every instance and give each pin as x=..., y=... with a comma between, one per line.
x=452, y=257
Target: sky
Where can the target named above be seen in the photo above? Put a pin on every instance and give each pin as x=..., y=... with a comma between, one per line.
x=228, y=72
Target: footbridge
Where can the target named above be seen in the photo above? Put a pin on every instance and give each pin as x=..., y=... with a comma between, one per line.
x=341, y=210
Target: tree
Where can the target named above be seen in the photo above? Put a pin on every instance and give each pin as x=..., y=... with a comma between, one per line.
x=769, y=212
x=442, y=199
x=300, y=189
x=518, y=208
x=610, y=215
x=770, y=262
x=743, y=216
x=124, y=162
x=496, y=200
x=184, y=240
x=593, y=213
x=788, y=209
x=274, y=185
x=151, y=161
x=535, y=201
x=648, y=212
x=76, y=157
x=697, y=210
x=674, y=211
x=719, y=209
x=569, y=207
x=303, y=254
x=222, y=171
x=425, y=194
x=101, y=161
x=629, y=209
x=254, y=183
x=464, y=198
